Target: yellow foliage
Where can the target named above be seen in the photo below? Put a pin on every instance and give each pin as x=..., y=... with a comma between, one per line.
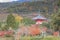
x=46, y=8
x=18, y=18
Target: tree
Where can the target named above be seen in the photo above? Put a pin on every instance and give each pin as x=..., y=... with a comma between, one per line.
x=28, y=21
x=58, y=3
x=11, y=21
x=55, y=22
x=46, y=25
x=18, y=18
x=0, y=25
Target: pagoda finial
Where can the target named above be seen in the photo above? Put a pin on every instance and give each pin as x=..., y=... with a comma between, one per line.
x=39, y=13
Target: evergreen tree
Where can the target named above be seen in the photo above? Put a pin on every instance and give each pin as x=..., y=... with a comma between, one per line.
x=56, y=21
x=58, y=3
x=0, y=25
x=28, y=21
x=11, y=21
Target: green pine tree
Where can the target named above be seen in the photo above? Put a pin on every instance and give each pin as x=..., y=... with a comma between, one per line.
x=11, y=21
x=56, y=21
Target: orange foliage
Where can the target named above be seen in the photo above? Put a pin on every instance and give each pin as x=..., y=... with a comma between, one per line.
x=56, y=33
x=34, y=31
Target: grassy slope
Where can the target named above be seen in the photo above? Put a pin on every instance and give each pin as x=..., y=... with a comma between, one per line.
x=33, y=38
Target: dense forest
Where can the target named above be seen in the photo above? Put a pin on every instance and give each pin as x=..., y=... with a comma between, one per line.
x=17, y=7
x=43, y=7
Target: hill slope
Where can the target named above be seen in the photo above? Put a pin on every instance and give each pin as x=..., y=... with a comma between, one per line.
x=17, y=7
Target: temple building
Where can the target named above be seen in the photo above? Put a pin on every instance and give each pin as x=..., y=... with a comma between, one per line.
x=39, y=19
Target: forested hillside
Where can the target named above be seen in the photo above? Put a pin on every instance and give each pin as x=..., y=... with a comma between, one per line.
x=44, y=7
x=17, y=7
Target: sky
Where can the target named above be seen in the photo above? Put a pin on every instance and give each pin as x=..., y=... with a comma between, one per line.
x=7, y=0
x=18, y=0
x=13, y=0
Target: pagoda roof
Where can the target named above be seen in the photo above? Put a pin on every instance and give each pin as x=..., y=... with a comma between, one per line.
x=39, y=17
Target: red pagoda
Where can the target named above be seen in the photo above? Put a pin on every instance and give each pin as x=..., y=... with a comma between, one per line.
x=39, y=19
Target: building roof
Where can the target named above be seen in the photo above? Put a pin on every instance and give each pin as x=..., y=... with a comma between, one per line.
x=39, y=17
